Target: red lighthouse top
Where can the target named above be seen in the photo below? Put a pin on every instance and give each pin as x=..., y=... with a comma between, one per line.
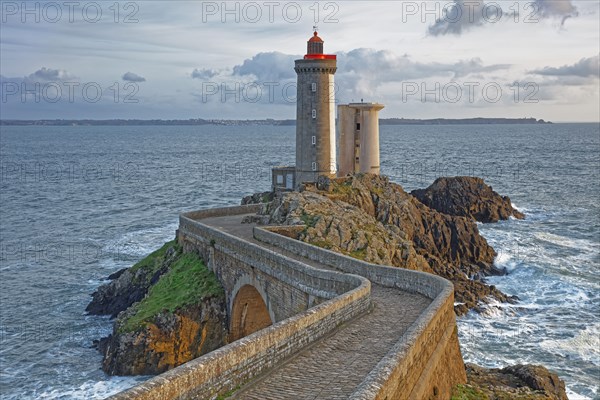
x=315, y=49
x=315, y=38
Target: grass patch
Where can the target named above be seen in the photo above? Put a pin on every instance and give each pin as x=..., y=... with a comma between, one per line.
x=228, y=394
x=187, y=282
x=309, y=220
x=464, y=392
x=322, y=243
x=344, y=188
x=153, y=261
x=265, y=198
x=360, y=254
x=377, y=190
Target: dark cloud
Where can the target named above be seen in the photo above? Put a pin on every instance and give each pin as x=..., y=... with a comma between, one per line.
x=563, y=9
x=462, y=15
x=131, y=77
x=204, y=73
x=458, y=17
x=584, y=68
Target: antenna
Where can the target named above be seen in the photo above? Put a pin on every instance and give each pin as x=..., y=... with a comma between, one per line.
x=315, y=28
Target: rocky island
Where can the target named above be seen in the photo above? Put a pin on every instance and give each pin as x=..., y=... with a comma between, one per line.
x=169, y=309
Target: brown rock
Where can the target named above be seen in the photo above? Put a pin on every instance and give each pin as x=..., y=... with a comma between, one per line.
x=372, y=219
x=467, y=197
x=527, y=382
x=169, y=340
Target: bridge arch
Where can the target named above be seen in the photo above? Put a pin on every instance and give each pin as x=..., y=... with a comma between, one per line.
x=249, y=309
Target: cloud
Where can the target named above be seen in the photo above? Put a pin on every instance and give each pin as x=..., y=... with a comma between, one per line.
x=361, y=72
x=131, y=77
x=42, y=76
x=49, y=75
x=385, y=65
x=367, y=72
x=584, y=68
x=268, y=67
x=458, y=17
x=204, y=73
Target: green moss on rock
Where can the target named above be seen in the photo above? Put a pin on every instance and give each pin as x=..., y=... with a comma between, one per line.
x=187, y=282
x=467, y=392
x=154, y=261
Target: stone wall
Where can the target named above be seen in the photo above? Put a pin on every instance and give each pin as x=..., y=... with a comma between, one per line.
x=234, y=364
x=426, y=362
x=288, y=286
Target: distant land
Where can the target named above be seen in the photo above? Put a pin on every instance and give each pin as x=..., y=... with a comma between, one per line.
x=275, y=122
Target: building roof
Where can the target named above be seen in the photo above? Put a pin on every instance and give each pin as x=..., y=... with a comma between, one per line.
x=315, y=38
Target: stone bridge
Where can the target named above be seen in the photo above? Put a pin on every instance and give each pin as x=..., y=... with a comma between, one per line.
x=308, y=323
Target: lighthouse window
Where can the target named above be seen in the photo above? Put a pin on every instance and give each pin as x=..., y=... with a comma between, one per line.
x=314, y=113
x=314, y=140
x=314, y=166
x=314, y=87
x=358, y=126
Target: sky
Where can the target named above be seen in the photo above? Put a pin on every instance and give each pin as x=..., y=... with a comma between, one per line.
x=235, y=60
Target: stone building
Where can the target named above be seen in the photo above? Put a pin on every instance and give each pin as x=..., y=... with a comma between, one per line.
x=358, y=130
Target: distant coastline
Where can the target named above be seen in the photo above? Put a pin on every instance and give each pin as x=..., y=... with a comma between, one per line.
x=273, y=122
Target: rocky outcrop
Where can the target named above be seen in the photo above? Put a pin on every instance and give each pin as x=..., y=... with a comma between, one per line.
x=467, y=197
x=257, y=198
x=346, y=229
x=370, y=218
x=524, y=382
x=170, y=308
x=130, y=285
x=166, y=341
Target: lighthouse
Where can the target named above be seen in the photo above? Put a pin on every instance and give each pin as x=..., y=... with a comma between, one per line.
x=318, y=152
x=315, y=114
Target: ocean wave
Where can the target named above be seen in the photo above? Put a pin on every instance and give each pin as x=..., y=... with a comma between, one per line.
x=579, y=244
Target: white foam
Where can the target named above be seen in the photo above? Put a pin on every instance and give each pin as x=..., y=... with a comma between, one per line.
x=585, y=345
x=580, y=244
x=141, y=242
x=574, y=396
x=92, y=389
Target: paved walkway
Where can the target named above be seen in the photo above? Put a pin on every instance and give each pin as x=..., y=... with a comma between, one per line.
x=335, y=365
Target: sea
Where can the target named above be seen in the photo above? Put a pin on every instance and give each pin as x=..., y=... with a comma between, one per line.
x=81, y=202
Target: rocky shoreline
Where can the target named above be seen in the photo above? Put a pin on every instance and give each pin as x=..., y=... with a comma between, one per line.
x=164, y=317
x=368, y=217
x=364, y=216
